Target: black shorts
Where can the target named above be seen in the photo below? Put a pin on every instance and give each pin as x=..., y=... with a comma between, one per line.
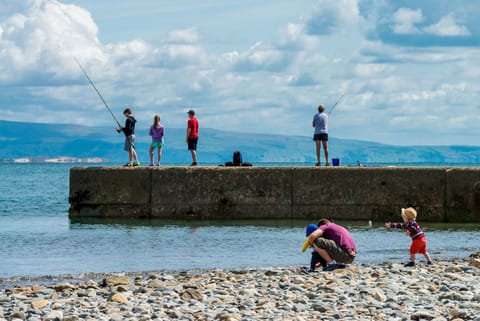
x=323, y=137
x=192, y=143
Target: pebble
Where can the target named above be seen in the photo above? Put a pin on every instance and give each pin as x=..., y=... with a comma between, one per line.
x=448, y=290
x=54, y=316
x=38, y=304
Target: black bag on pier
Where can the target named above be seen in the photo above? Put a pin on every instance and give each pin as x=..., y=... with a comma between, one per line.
x=237, y=160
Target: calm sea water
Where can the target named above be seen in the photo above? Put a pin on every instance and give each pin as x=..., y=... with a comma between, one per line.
x=38, y=239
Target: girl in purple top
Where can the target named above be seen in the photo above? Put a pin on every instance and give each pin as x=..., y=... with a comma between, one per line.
x=156, y=131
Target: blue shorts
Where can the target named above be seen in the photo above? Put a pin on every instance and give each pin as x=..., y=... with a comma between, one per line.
x=192, y=143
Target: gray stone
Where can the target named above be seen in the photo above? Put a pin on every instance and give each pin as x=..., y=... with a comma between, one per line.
x=175, y=314
x=379, y=296
x=250, y=294
x=422, y=314
x=345, y=298
x=55, y=315
x=167, y=277
x=461, y=313
x=320, y=307
x=18, y=315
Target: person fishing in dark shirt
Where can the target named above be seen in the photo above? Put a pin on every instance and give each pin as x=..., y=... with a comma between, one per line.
x=129, y=131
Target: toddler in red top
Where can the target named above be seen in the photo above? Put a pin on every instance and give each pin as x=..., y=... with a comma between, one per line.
x=419, y=241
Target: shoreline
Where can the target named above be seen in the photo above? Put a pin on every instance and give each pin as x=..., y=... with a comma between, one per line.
x=49, y=279
x=448, y=290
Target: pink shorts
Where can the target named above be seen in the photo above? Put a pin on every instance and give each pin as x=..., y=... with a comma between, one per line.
x=419, y=246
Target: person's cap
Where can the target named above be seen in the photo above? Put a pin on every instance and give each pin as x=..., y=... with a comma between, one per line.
x=311, y=228
x=191, y=112
x=409, y=213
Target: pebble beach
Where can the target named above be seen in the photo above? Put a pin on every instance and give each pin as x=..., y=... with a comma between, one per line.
x=447, y=290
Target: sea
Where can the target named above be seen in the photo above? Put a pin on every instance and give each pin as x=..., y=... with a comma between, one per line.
x=37, y=238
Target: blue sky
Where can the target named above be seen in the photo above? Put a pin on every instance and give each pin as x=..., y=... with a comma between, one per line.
x=410, y=69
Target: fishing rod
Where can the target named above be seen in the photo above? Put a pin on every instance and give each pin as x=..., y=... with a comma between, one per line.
x=98, y=92
x=85, y=72
x=338, y=101
x=104, y=102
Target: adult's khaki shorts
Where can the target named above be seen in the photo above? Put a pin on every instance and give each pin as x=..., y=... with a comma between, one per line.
x=334, y=250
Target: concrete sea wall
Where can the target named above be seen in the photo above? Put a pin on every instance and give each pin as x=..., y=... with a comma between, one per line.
x=350, y=193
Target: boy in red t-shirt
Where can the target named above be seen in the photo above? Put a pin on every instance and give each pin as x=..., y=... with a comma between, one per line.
x=192, y=135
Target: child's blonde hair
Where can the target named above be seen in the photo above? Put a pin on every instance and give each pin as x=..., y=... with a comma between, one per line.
x=409, y=213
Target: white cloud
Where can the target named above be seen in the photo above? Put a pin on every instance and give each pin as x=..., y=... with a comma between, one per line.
x=447, y=26
x=42, y=41
x=184, y=36
x=259, y=57
x=369, y=70
x=136, y=50
x=379, y=52
x=181, y=49
x=405, y=21
x=334, y=16
x=408, y=21
x=294, y=37
x=180, y=55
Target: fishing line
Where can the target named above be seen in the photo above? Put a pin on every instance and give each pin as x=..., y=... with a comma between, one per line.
x=103, y=100
x=92, y=83
x=98, y=92
x=101, y=97
x=338, y=101
x=84, y=71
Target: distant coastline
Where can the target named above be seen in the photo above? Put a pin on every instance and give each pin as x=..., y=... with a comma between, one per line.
x=50, y=160
x=62, y=143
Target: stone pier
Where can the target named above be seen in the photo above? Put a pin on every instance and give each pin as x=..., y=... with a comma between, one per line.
x=344, y=193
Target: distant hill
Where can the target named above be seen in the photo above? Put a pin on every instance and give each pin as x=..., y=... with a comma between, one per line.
x=19, y=140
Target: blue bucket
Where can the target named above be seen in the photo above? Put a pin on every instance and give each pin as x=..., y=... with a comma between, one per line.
x=336, y=161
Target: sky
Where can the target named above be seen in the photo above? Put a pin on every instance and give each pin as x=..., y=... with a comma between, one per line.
x=409, y=70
